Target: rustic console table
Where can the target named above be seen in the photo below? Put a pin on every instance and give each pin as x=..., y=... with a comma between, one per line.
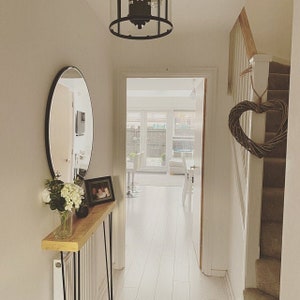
x=82, y=231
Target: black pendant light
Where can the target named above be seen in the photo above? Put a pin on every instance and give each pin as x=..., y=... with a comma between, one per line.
x=140, y=19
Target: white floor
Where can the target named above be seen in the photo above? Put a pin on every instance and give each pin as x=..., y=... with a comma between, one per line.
x=160, y=259
x=158, y=179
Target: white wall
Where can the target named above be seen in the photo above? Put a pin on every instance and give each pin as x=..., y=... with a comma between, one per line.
x=160, y=103
x=290, y=288
x=179, y=54
x=271, y=26
x=38, y=38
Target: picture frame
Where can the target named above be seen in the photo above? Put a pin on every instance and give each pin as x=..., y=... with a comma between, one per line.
x=99, y=190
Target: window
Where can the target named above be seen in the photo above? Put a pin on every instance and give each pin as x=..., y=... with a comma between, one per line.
x=159, y=135
x=156, y=139
x=183, y=137
x=133, y=133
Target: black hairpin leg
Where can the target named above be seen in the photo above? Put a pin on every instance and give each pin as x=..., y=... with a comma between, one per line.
x=78, y=265
x=63, y=273
x=107, y=272
x=74, y=274
x=110, y=256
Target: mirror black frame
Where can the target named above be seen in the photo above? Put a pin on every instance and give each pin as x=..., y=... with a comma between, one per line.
x=47, y=118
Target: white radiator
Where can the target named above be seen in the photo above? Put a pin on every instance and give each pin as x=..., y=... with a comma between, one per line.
x=57, y=277
x=88, y=285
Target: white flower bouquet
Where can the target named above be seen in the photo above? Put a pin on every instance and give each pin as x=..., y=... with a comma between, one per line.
x=62, y=196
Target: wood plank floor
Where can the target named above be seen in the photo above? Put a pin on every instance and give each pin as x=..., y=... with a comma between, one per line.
x=160, y=259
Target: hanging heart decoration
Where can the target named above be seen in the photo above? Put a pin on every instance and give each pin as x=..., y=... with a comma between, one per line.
x=259, y=150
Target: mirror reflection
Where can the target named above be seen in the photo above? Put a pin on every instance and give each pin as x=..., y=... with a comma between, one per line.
x=69, y=125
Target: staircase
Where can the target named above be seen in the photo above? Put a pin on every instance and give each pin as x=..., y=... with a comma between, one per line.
x=268, y=265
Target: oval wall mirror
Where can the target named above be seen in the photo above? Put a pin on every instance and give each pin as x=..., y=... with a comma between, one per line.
x=69, y=125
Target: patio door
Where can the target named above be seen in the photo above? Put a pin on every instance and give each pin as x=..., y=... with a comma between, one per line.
x=155, y=141
x=147, y=132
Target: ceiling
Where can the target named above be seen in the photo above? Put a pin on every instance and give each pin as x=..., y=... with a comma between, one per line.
x=163, y=87
x=188, y=16
x=161, y=94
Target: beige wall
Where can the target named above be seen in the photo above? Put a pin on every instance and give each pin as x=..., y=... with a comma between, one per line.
x=271, y=26
x=38, y=38
x=290, y=288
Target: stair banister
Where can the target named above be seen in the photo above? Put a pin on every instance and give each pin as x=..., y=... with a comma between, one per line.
x=260, y=70
x=250, y=75
x=247, y=34
x=248, y=71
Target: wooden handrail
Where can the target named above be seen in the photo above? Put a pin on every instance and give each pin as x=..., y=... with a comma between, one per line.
x=247, y=34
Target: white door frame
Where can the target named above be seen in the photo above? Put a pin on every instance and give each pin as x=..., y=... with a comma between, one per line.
x=119, y=167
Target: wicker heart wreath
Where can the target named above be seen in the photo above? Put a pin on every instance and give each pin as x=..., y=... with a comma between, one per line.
x=259, y=150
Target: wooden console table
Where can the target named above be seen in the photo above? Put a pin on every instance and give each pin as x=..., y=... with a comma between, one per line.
x=82, y=231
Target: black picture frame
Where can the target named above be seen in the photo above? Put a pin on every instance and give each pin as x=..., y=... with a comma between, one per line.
x=99, y=190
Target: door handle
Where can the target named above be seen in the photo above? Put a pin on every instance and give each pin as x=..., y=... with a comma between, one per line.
x=194, y=167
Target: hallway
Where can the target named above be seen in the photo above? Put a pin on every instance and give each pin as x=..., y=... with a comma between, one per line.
x=160, y=259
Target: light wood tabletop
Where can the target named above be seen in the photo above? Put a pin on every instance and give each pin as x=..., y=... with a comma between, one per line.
x=82, y=230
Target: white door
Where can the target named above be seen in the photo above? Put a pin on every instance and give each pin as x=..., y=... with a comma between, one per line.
x=198, y=158
x=62, y=132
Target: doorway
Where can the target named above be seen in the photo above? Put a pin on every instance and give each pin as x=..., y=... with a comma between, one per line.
x=120, y=162
x=164, y=129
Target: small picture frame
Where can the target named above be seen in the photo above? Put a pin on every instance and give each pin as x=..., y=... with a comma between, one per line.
x=99, y=190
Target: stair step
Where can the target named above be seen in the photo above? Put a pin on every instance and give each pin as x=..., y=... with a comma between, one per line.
x=278, y=81
x=274, y=172
x=275, y=67
x=278, y=94
x=268, y=266
x=279, y=150
x=273, y=121
x=256, y=294
x=272, y=204
x=268, y=276
x=271, y=239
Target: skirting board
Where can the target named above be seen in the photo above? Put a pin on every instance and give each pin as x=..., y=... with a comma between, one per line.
x=229, y=287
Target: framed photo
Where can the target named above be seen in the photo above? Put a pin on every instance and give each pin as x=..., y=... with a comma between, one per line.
x=99, y=190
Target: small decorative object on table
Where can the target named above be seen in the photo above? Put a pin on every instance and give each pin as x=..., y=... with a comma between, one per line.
x=83, y=209
x=63, y=197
